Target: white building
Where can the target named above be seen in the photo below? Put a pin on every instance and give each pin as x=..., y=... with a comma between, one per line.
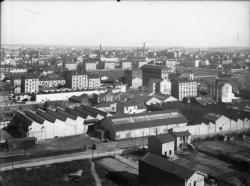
x=227, y=94
x=51, y=82
x=94, y=82
x=144, y=124
x=162, y=144
x=71, y=66
x=126, y=65
x=29, y=84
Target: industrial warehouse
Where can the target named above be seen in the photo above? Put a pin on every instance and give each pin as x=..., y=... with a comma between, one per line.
x=49, y=123
x=144, y=124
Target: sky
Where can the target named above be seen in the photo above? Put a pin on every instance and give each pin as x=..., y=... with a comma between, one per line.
x=127, y=23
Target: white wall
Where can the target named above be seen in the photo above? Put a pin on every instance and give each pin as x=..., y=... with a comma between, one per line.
x=63, y=96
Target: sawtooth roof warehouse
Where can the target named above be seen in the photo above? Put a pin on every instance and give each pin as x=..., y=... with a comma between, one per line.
x=144, y=124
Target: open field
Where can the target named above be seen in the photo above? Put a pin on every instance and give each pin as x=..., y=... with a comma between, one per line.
x=234, y=149
x=221, y=170
x=61, y=174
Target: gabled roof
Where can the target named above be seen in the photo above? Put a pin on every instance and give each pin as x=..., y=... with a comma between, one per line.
x=212, y=117
x=163, y=138
x=145, y=120
x=35, y=117
x=168, y=166
x=67, y=114
x=80, y=112
x=94, y=110
x=86, y=111
x=57, y=115
x=24, y=118
x=45, y=116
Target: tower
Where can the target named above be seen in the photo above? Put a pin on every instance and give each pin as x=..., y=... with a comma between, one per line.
x=100, y=51
x=144, y=49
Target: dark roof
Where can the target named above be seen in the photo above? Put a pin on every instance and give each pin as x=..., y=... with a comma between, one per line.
x=181, y=133
x=86, y=111
x=80, y=113
x=167, y=166
x=67, y=114
x=94, y=110
x=25, y=119
x=163, y=138
x=211, y=117
x=29, y=76
x=35, y=117
x=151, y=66
x=78, y=99
x=145, y=120
x=46, y=116
x=137, y=100
x=57, y=115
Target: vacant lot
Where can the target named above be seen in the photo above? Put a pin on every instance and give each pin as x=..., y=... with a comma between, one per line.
x=68, y=173
x=234, y=149
x=223, y=171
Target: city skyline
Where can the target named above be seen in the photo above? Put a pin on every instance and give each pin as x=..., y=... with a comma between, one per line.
x=159, y=24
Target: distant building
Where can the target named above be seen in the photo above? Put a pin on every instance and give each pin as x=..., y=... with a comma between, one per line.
x=222, y=91
x=94, y=82
x=162, y=144
x=109, y=65
x=133, y=106
x=163, y=87
x=90, y=65
x=108, y=97
x=29, y=84
x=153, y=72
x=181, y=139
x=71, y=66
x=171, y=65
x=156, y=170
x=119, y=88
x=47, y=82
x=126, y=65
x=76, y=81
x=16, y=82
x=182, y=88
x=133, y=79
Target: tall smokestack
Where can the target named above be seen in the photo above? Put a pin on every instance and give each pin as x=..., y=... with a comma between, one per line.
x=144, y=49
x=100, y=51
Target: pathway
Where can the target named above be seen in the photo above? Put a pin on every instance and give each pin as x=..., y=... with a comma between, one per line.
x=98, y=181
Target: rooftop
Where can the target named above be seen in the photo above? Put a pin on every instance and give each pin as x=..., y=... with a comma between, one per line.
x=168, y=166
x=147, y=119
x=152, y=66
x=164, y=138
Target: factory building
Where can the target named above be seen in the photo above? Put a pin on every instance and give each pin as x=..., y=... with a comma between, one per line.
x=143, y=124
x=50, y=123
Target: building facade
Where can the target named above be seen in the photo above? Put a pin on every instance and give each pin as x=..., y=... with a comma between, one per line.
x=76, y=81
x=94, y=82
x=144, y=124
x=182, y=88
x=151, y=71
x=162, y=144
x=51, y=82
x=29, y=84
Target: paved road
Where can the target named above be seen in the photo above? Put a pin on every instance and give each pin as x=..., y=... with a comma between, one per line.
x=57, y=159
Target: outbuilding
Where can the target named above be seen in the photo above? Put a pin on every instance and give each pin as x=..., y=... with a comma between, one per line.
x=156, y=170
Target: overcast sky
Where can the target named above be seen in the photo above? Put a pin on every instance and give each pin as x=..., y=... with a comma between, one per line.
x=163, y=24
